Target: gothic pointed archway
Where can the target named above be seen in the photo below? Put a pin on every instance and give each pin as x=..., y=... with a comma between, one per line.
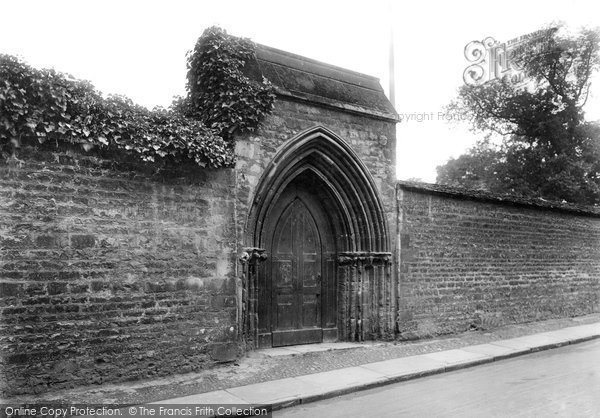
x=316, y=186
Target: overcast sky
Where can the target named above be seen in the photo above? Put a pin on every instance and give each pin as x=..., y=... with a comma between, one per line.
x=137, y=48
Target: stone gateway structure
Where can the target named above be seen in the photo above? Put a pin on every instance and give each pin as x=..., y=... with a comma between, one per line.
x=318, y=214
x=110, y=271
x=319, y=207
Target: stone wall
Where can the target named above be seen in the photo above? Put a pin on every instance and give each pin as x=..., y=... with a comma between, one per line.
x=109, y=272
x=475, y=261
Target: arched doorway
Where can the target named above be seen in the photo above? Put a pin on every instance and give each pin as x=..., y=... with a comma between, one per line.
x=318, y=225
x=300, y=270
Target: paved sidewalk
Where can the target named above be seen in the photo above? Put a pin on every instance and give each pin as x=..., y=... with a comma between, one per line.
x=291, y=391
x=366, y=364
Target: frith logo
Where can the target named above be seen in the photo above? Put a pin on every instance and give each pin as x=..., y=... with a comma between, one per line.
x=490, y=59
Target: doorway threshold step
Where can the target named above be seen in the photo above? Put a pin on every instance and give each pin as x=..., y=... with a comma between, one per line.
x=294, y=350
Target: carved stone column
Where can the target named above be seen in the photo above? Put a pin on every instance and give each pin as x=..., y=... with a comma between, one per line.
x=250, y=260
x=366, y=305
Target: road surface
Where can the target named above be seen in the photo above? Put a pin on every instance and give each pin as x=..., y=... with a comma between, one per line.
x=562, y=382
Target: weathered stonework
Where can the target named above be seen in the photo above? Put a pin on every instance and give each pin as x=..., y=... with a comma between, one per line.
x=373, y=141
x=314, y=97
x=111, y=271
x=473, y=261
x=363, y=296
x=109, y=274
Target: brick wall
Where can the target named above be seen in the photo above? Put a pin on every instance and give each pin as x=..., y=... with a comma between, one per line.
x=110, y=272
x=469, y=263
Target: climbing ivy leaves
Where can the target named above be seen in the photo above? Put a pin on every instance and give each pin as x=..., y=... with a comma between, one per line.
x=222, y=100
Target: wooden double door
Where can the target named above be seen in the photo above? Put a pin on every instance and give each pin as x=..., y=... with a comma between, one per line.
x=301, y=273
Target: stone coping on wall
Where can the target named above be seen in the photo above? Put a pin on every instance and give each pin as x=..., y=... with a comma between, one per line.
x=305, y=79
x=506, y=199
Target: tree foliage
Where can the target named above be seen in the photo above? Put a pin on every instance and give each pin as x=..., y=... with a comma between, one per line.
x=547, y=148
x=50, y=106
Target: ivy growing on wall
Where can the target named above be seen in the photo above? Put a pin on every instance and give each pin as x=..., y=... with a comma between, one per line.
x=222, y=100
x=223, y=91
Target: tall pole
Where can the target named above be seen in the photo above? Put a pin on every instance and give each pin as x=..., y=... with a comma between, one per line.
x=391, y=59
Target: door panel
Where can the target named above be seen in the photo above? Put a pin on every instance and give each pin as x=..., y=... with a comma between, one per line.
x=296, y=274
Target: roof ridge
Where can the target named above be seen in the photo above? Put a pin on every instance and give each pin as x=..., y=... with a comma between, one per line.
x=314, y=61
x=325, y=76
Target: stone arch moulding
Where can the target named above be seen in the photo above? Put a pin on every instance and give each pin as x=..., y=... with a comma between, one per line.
x=362, y=261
